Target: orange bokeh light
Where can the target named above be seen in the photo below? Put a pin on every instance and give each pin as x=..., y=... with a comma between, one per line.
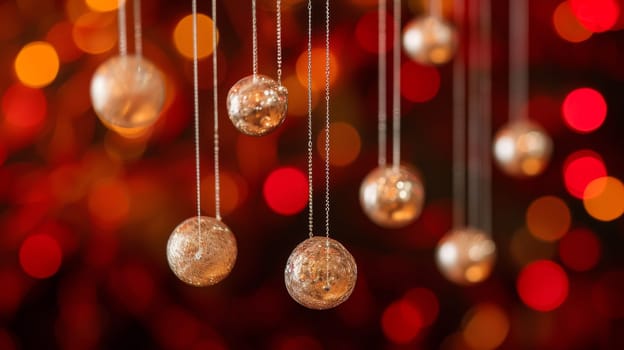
x=318, y=68
x=183, y=36
x=95, y=33
x=232, y=192
x=486, y=327
x=37, y=64
x=604, y=198
x=108, y=202
x=298, y=96
x=548, y=218
x=568, y=26
x=345, y=144
x=104, y=5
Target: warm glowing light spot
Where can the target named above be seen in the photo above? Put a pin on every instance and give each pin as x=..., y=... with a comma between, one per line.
x=401, y=322
x=584, y=110
x=548, y=218
x=24, y=108
x=104, y=5
x=596, y=15
x=58, y=36
x=95, y=33
x=108, y=202
x=580, y=250
x=581, y=168
x=568, y=26
x=367, y=32
x=231, y=192
x=318, y=68
x=486, y=327
x=298, y=96
x=604, y=198
x=525, y=248
x=37, y=64
x=286, y=191
x=419, y=83
x=543, y=285
x=183, y=36
x=40, y=256
x=345, y=144
x=426, y=302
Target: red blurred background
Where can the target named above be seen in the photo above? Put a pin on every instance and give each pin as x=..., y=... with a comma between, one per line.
x=85, y=212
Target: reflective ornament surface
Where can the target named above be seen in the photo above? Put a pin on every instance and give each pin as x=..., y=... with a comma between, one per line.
x=127, y=92
x=466, y=256
x=391, y=197
x=522, y=149
x=201, y=257
x=257, y=105
x=319, y=276
x=430, y=40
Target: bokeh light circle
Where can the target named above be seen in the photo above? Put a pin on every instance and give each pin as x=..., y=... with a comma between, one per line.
x=104, y=5
x=37, y=64
x=567, y=25
x=426, y=302
x=183, y=36
x=419, y=83
x=345, y=144
x=486, y=327
x=40, y=256
x=367, y=32
x=543, y=285
x=548, y=218
x=596, y=15
x=584, y=110
x=24, y=107
x=401, y=322
x=286, y=191
x=581, y=168
x=604, y=198
x=318, y=68
x=580, y=250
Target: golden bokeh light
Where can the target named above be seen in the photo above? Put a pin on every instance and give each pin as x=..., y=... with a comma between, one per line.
x=318, y=68
x=548, y=218
x=95, y=33
x=298, y=96
x=604, y=198
x=233, y=192
x=486, y=327
x=183, y=36
x=37, y=64
x=104, y=5
x=345, y=144
x=567, y=25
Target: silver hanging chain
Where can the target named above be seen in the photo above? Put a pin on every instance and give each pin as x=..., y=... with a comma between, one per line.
x=138, y=29
x=518, y=58
x=327, y=76
x=121, y=27
x=474, y=122
x=196, y=116
x=382, y=115
x=486, y=113
x=310, y=144
x=254, y=31
x=459, y=125
x=396, y=88
x=215, y=106
x=279, y=40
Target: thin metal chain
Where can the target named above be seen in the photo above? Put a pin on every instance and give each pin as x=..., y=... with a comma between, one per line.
x=327, y=76
x=435, y=8
x=279, y=40
x=473, y=120
x=254, y=30
x=459, y=125
x=196, y=114
x=138, y=29
x=382, y=124
x=121, y=27
x=215, y=104
x=396, y=88
x=518, y=58
x=310, y=144
x=486, y=113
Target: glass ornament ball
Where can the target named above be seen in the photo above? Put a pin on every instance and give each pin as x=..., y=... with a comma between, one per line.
x=430, y=40
x=466, y=256
x=392, y=198
x=522, y=149
x=128, y=92
x=201, y=257
x=320, y=273
x=257, y=105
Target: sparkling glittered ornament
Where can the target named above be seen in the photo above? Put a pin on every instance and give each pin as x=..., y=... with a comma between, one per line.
x=320, y=273
x=522, y=149
x=466, y=256
x=257, y=105
x=392, y=197
x=128, y=92
x=201, y=257
x=430, y=40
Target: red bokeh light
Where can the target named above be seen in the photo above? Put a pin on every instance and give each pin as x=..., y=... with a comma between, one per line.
x=40, y=256
x=419, y=83
x=543, y=285
x=580, y=169
x=24, y=108
x=580, y=250
x=426, y=302
x=596, y=15
x=367, y=35
x=401, y=322
x=286, y=190
x=584, y=110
